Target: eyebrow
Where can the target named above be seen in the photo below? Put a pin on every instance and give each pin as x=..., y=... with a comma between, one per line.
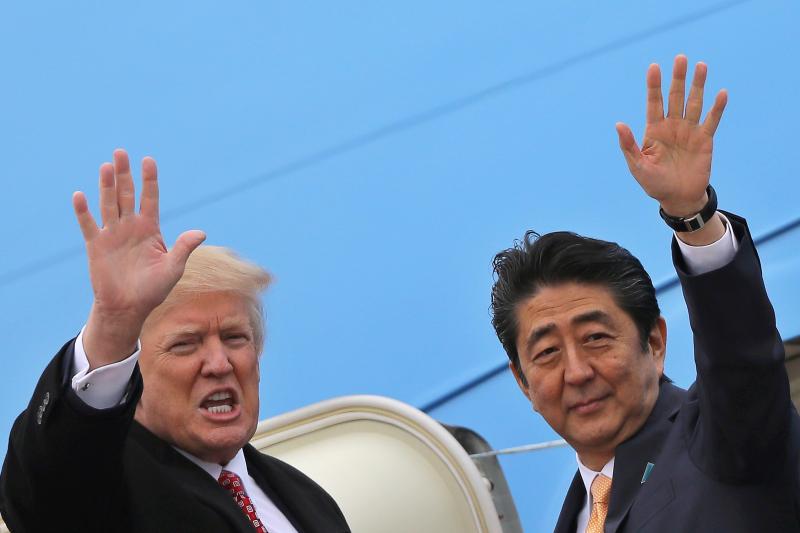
x=537, y=334
x=185, y=331
x=598, y=316
x=594, y=316
x=226, y=325
x=234, y=323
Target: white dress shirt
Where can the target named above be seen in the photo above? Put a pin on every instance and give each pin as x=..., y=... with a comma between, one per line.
x=105, y=387
x=699, y=260
x=267, y=512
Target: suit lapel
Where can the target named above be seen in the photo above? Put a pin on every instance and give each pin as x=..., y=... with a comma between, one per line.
x=191, y=478
x=631, y=457
x=573, y=503
x=283, y=495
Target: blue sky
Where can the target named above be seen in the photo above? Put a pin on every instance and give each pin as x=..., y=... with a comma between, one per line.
x=374, y=156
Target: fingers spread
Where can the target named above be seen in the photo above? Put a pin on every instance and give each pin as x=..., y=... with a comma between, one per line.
x=715, y=115
x=109, y=209
x=655, y=103
x=148, y=205
x=126, y=197
x=694, y=105
x=677, y=88
x=85, y=219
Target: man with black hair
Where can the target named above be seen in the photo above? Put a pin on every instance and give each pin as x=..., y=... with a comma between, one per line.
x=580, y=323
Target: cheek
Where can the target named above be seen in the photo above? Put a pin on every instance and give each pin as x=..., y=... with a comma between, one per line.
x=173, y=379
x=248, y=374
x=630, y=378
x=250, y=393
x=615, y=368
x=544, y=392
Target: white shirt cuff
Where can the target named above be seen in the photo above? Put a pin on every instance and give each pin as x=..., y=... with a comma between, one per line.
x=105, y=386
x=702, y=259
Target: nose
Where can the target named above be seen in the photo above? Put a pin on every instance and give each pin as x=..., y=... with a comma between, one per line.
x=577, y=368
x=216, y=362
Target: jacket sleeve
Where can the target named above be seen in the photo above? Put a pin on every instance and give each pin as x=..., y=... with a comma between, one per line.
x=742, y=411
x=64, y=461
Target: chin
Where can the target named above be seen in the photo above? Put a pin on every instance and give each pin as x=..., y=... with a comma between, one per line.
x=219, y=453
x=593, y=438
x=221, y=442
x=228, y=438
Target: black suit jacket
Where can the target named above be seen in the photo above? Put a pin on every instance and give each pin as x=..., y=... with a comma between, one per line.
x=725, y=451
x=73, y=468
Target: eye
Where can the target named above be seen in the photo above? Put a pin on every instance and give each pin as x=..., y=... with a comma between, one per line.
x=181, y=347
x=545, y=354
x=237, y=338
x=597, y=336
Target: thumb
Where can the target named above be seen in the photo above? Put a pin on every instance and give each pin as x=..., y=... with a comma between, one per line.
x=627, y=143
x=185, y=244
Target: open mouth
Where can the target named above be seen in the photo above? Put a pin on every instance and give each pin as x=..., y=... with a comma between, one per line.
x=219, y=403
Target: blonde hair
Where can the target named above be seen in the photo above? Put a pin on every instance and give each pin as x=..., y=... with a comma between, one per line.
x=219, y=269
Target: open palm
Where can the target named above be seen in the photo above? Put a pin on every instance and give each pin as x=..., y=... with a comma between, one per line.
x=130, y=268
x=674, y=163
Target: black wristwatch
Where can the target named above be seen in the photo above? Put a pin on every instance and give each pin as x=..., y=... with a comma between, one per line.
x=694, y=222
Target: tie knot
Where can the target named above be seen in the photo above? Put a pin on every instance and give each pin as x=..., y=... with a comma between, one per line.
x=230, y=481
x=601, y=487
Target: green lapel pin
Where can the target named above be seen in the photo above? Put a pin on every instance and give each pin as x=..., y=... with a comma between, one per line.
x=647, y=470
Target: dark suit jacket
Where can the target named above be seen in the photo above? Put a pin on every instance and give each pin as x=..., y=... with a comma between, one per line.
x=725, y=451
x=73, y=468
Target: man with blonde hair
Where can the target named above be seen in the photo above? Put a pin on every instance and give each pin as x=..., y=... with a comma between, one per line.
x=142, y=423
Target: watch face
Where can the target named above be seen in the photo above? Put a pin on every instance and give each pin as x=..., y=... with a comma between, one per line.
x=694, y=223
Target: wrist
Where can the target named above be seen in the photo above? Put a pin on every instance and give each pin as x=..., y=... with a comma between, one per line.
x=708, y=234
x=696, y=218
x=684, y=209
x=110, y=338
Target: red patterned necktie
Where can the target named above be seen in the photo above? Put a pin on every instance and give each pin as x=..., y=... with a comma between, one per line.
x=232, y=482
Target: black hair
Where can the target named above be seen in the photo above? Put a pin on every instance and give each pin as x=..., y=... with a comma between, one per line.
x=563, y=257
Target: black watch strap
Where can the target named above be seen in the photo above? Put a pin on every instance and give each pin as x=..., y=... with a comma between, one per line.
x=693, y=222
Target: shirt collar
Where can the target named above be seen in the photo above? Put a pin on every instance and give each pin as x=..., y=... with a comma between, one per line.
x=588, y=475
x=237, y=465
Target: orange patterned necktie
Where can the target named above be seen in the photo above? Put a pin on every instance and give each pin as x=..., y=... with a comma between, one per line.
x=232, y=482
x=601, y=488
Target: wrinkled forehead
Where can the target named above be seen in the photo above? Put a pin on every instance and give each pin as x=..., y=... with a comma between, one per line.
x=203, y=326
x=567, y=299
x=200, y=312
x=566, y=305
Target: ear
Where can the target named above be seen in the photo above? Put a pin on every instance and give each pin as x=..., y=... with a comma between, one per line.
x=521, y=383
x=657, y=342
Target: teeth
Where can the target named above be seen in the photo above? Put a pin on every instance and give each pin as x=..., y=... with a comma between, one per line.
x=217, y=409
x=219, y=396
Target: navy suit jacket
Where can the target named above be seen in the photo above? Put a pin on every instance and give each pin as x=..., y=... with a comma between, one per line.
x=73, y=468
x=725, y=452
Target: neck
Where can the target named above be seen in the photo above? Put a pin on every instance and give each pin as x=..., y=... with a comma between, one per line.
x=595, y=460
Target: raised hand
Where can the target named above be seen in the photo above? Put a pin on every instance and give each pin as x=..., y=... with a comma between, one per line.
x=674, y=163
x=130, y=268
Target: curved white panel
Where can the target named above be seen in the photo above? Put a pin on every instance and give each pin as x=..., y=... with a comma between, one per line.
x=390, y=467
